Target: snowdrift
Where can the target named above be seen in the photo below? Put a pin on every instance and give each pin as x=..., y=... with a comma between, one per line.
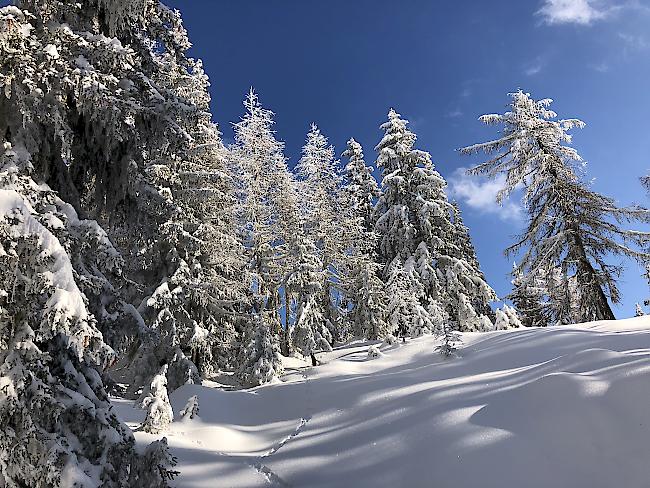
x=565, y=407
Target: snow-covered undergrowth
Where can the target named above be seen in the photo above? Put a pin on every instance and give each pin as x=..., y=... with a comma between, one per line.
x=529, y=407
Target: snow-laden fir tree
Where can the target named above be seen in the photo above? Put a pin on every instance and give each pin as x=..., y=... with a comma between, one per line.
x=361, y=186
x=414, y=219
x=368, y=316
x=502, y=322
x=156, y=403
x=513, y=317
x=303, y=284
x=73, y=90
x=58, y=425
x=468, y=316
x=195, y=307
x=506, y=318
x=450, y=339
x=113, y=116
x=359, y=273
x=259, y=360
x=467, y=252
x=545, y=297
x=269, y=215
x=325, y=209
x=570, y=227
x=406, y=316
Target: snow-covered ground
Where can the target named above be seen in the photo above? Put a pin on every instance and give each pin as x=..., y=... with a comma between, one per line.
x=562, y=407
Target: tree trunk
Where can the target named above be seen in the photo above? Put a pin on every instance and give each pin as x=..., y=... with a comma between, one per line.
x=587, y=280
x=285, y=346
x=586, y=276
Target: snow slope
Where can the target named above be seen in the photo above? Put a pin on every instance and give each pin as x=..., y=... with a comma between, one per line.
x=563, y=407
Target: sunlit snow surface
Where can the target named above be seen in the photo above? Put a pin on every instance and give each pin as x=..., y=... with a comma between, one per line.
x=564, y=407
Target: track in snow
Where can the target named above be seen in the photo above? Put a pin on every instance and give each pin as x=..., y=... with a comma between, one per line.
x=256, y=463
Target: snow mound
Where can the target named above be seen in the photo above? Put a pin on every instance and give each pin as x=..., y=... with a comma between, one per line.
x=374, y=352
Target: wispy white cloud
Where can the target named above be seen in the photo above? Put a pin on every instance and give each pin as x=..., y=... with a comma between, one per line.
x=582, y=12
x=533, y=68
x=454, y=114
x=601, y=67
x=480, y=194
x=634, y=42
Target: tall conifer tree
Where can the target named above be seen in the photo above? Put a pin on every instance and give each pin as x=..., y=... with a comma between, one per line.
x=572, y=230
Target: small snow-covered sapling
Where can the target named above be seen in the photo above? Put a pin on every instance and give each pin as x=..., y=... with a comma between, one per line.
x=191, y=409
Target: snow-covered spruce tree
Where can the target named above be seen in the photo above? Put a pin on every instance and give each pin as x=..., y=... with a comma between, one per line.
x=326, y=210
x=467, y=252
x=195, y=307
x=501, y=322
x=156, y=403
x=260, y=358
x=506, y=318
x=468, y=316
x=415, y=219
x=269, y=216
x=545, y=297
x=60, y=121
x=303, y=285
x=360, y=184
x=570, y=226
x=58, y=425
x=368, y=316
x=406, y=316
x=450, y=341
x=359, y=273
x=112, y=116
x=530, y=297
x=200, y=300
x=638, y=311
x=513, y=317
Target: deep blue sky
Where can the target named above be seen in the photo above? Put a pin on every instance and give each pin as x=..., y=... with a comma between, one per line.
x=343, y=64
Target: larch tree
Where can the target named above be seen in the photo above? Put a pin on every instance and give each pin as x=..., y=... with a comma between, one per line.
x=269, y=218
x=570, y=227
x=646, y=276
x=321, y=201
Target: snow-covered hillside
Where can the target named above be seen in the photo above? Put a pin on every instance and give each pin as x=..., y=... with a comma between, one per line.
x=563, y=407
